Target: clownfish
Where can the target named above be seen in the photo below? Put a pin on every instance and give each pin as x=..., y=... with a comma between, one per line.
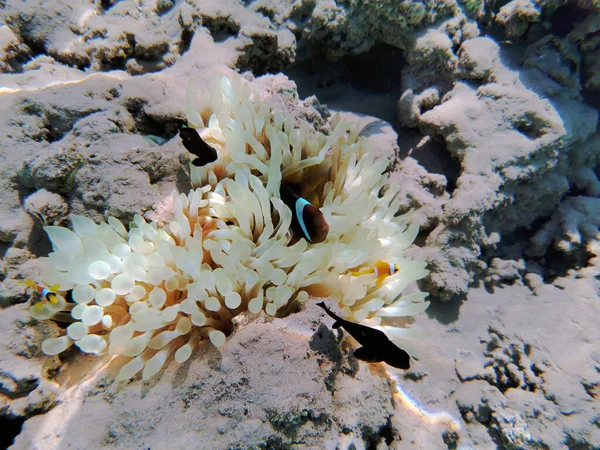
x=194, y=144
x=307, y=221
x=47, y=294
x=382, y=270
x=376, y=346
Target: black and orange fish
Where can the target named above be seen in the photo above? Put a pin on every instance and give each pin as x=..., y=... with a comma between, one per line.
x=307, y=221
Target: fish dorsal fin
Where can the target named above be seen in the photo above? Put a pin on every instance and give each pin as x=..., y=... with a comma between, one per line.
x=365, y=354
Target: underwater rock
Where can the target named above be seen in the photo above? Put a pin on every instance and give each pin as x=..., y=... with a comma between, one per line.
x=572, y=230
x=516, y=17
x=23, y=388
x=54, y=172
x=478, y=58
x=342, y=28
x=558, y=59
x=504, y=124
x=48, y=206
x=11, y=49
x=54, y=26
x=512, y=428
x=430, y=60
x=265, y=51
x=467, y=365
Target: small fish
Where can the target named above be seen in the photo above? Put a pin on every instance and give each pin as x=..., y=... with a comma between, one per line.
x=307, y=221
x=376, y=346
x=196, y=146
x=47, y=294
x=382, y=270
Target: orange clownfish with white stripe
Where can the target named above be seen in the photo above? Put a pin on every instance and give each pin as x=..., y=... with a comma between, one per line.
x=381, y=269
x=48, y=294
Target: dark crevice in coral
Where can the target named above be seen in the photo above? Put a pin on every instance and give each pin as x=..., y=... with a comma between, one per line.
x=267, y=12
x=387, y=433
x=592, y=98
x=185, y=41
x=4, y=247
x=433, y=155
x=146, y=124
x=107, y=4
x=573, y=443
x=552, y=265
x=301, y=15
x=164, y=7
x=558, y=264
x=37, y=48
x=450, y=438
x=566, y=17
x=57, y=122
x=444, y=312
x=38, y=242
x=261, y=55
x=11, y=428
x=367, y=84
x=374, y=438
x=221, y=28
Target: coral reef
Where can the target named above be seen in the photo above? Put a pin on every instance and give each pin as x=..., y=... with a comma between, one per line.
x=496, y=150
x=499, y=190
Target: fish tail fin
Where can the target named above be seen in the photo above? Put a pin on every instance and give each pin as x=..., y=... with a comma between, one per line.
x=362, y=271
x=337, y=324
x=380, y=279
x=29, y=283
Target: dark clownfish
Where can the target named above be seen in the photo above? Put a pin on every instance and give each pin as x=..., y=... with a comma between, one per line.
x=376, y=346
x=307, y=221
x=194, y=144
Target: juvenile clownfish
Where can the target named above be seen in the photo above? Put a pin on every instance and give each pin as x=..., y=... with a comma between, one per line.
x=307, y=221
x=194, y=144
x=47, y=294
x=376, y=346
x=382, y=270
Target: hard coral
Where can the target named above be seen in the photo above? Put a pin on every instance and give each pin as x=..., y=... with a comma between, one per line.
x=151, y=291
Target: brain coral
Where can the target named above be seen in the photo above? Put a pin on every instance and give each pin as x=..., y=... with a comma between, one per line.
x=151, y=291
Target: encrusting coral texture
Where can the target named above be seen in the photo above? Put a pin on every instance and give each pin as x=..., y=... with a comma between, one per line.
x=229, y=250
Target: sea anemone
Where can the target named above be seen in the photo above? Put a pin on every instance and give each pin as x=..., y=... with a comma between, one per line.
x=229, y=250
